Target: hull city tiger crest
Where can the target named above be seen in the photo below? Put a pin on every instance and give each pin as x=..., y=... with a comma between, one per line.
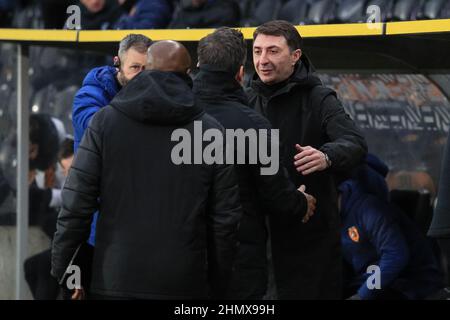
x=353, y=234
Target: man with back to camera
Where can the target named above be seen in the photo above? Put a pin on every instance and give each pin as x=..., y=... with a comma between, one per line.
x=165, y=231
x=218, y=90
x=318, y=139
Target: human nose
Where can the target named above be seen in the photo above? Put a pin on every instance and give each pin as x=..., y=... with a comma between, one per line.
x=263, y=59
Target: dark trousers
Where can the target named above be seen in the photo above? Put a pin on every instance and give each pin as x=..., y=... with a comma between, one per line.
x=311, y=271
x=37, y=273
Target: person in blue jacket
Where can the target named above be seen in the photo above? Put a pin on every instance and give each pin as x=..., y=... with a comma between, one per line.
x=147, y=14
x=103, y=83
x=376, y=233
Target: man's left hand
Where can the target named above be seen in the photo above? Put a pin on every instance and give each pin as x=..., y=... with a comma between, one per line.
x=309, y=160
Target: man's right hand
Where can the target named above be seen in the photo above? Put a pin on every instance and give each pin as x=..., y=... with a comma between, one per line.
x=311, y=204
x=79, y=294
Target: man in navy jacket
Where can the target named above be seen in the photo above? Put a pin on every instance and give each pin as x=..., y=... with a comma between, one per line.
x=376, y=233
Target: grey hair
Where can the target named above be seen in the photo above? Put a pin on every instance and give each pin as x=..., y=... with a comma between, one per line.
x=139, y=42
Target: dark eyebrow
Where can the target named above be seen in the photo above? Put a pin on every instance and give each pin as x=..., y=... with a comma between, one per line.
x=271, y=47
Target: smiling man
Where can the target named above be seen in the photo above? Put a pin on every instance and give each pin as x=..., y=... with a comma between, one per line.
x=318, y=139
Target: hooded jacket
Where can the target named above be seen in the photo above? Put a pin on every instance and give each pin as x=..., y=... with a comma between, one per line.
x=308, y=114
x=376, y=233
x=99, y=87
x=164, y=230
x=223, y=97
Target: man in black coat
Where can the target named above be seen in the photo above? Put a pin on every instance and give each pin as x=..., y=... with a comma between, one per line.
x=164, y=231
x=314, y=129
x=218, y=90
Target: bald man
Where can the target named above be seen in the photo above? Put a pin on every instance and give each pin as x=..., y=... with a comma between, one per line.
x=165, y=230
x=168, y=55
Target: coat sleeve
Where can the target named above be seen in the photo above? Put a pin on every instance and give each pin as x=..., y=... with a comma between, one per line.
x=276, y=191
x=87, y=101
x=346, y=147
x=389, y=242
x=223, y=216
x=79, y=199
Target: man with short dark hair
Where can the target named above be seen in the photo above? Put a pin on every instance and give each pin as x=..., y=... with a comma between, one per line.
x=318, y=139
x=218, y=90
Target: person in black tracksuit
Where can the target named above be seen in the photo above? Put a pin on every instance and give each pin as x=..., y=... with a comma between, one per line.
x=217, y=89
x=164, y=231
x=315, y=129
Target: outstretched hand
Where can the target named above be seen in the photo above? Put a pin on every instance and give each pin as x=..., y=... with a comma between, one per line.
x=309, y=160
x=311, y=204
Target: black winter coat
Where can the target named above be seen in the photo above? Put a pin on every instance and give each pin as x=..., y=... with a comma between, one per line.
x=222, y=97
x=164, y=230
x=311, y=115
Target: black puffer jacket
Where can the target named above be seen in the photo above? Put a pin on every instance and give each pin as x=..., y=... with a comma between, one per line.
x=164, y=230
x=308, y=114
x=223, y=98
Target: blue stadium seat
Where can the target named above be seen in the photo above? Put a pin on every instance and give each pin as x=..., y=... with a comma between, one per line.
x=294, y=11
x=261, y=12
x=321, y=12
x=63, y=103
x=386, y=7
x=405, y=10
x=445, y=12
x=55, y=102
x=246, y=7
x=431, y=9
x=351, y=11
x=6, y=124
x=28, y=16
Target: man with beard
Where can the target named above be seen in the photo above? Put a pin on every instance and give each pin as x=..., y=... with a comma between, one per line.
x=100, y=86
x=103, y=83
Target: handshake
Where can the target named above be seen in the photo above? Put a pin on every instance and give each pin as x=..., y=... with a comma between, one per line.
x=311, y=204
x=307, y=161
